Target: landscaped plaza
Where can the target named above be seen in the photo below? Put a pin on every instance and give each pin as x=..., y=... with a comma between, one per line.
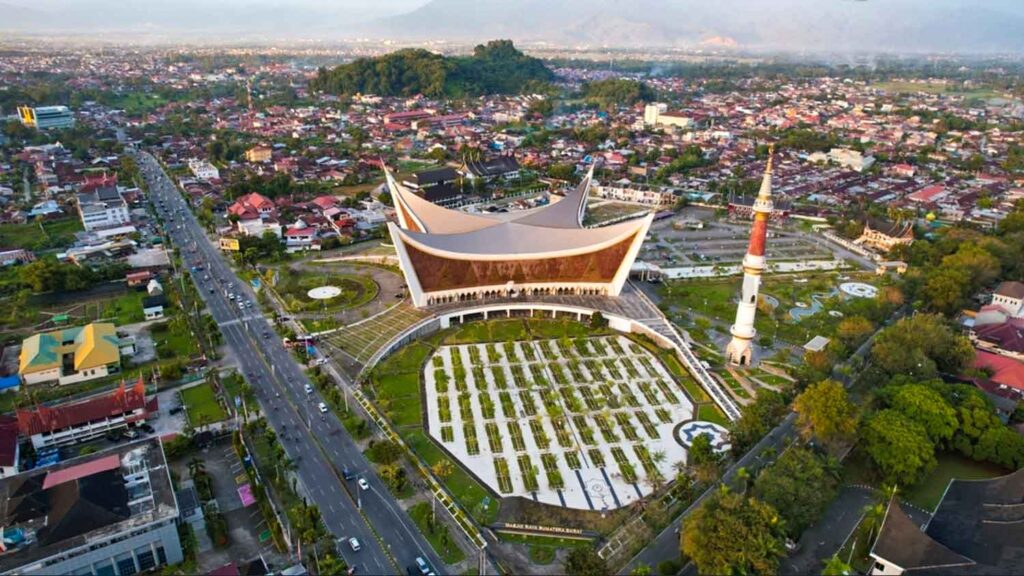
x=585, y=423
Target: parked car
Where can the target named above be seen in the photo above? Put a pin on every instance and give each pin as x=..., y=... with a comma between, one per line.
x=147, y=428
x=130, y=434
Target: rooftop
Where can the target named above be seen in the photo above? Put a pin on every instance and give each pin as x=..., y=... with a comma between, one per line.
x=84, y=500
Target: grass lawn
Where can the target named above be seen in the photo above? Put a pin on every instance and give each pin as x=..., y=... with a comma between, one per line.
x=293, y=287
x=504, y=330
x=858, y=469
x=175, y=341
x=469, y=493
x=125, y=310
x=38, y=236
x=928, y=492
x=135, y=103
x=436, y=532
x=712, y=413
x=201, y=405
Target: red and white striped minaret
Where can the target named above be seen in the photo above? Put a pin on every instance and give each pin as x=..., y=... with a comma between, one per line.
x=740, y=349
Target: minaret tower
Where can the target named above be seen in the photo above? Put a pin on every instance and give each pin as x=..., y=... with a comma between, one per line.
x=740, y=350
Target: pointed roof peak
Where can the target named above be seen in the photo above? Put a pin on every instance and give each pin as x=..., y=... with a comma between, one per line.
x=766, y=182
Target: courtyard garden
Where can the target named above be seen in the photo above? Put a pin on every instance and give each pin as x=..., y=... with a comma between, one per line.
x=579, y=422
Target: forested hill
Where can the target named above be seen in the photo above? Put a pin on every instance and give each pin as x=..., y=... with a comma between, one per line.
x=495, y=68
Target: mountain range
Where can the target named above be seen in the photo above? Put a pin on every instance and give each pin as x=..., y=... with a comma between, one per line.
x=951, y=26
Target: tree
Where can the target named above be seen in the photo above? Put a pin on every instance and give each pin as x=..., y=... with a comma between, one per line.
x=585, y=561
x=799, y=485
x=384, y=452
x=730, y=534
x=561, y=171
x=921, y=346
x=852, y=330
x=703, y=459
x=1001, y=445
x=899, y=446
x=836, y=567
x=757, y=419
x=825, y=412
x=597, y=320
x=928, y=408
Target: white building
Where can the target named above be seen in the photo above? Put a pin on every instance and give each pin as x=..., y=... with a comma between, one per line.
x=636, y=195
x=657, y=114
x=844, y=157
x=113, y=512
x=203, y=170
x=104, y=207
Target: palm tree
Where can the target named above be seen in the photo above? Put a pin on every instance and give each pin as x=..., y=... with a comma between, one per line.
x=442, y=468
x=196, y=467
x=874, y=514
x=743, y=475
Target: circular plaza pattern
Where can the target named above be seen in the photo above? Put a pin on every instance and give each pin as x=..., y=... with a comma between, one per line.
x=858, y=289
x=324, y=292
x=687, y=432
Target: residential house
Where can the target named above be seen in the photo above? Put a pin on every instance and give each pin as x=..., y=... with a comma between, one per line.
x=70, y=355
x=153, y=306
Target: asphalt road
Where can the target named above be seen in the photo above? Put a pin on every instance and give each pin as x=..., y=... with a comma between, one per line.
x=317, y=443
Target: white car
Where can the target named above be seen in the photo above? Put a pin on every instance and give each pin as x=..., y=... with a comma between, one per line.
x=363, y=484
x=354, y=544
x=308, y=388
x=323, y=408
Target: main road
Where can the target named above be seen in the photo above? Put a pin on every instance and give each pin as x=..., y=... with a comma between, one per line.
x=316, y=442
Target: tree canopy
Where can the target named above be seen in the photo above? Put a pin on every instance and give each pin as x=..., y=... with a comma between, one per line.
x=494, y=68
x=733, y=534
x=799, y=485
x=899, y=446
x=922, y=345
x=825, y=412
x=617, y=91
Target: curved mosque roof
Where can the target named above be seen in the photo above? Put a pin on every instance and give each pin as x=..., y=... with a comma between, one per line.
x=557, y=227
x=419, y=215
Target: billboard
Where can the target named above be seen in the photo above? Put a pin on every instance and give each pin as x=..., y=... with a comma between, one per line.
x=230, y=244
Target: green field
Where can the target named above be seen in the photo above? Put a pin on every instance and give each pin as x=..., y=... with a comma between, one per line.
x=201, y=405
x=40, y=236
x=907, y=87
x=135, y=103
x=293, y=287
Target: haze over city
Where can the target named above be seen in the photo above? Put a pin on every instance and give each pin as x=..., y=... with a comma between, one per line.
x=944, y=26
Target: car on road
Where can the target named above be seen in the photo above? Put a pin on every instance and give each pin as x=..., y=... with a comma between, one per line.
x=308, y=389
x=353, y=543
x=322, y=407
x=347, y=474
x=363, y=484
x=422, y=565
